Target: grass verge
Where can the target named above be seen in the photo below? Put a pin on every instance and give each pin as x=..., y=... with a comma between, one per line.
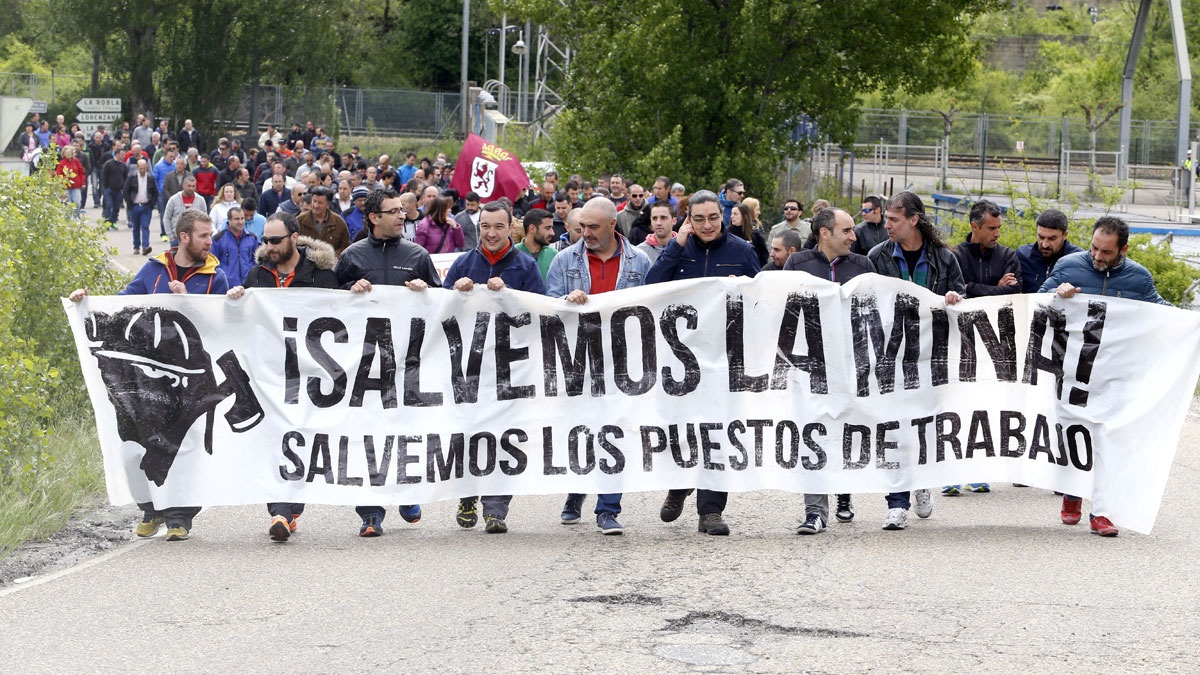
x=38, y=505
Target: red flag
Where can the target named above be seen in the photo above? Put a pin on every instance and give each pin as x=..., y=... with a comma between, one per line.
x=489, y=171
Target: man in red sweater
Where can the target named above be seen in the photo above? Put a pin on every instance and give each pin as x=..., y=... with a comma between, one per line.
x=206, y=180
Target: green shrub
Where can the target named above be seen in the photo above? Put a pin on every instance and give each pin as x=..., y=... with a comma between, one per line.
x=44, y=254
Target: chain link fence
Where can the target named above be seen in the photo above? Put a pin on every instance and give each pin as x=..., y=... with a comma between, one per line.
x=351, y=110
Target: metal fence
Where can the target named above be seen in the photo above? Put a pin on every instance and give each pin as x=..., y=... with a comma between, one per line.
x=978, y=134
x=356, y=110
x=428, y=113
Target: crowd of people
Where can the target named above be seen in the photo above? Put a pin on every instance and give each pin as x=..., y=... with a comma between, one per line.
x=294, y=213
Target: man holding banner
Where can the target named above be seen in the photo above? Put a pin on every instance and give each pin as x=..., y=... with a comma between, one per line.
x=1104, y=270
x=711, y=252
x=497, y=264
x=833, y=259
x=189, y=268
x=915, y=253
x=287, y=260
x=602, y=260
x=384, y=258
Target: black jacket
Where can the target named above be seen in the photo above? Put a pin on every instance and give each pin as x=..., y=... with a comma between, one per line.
x=387, y=262
x=842, y=269
x=944, y=272
x=315, y=269
x=130, y=189
x=982, y=270
x=112, y=174
x=868, y=236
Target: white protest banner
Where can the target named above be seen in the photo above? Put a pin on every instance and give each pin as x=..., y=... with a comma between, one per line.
x=781, y=382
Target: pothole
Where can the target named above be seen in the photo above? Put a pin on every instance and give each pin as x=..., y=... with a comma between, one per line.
x=741, y=627
x=621, y=599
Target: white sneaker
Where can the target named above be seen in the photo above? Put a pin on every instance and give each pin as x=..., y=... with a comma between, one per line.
x=924, y=503
x=897, y=519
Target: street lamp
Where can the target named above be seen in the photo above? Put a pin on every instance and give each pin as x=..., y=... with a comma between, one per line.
x=521, y=49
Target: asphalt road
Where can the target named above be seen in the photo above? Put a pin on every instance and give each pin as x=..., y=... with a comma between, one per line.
x=991, y=582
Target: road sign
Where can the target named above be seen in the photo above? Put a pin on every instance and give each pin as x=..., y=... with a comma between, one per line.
x=89, y=128
x=98, y=105
x=98, y=118
x=38, y=107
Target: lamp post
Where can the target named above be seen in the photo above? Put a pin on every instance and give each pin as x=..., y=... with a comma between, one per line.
x=521, y=49
x=466, y=34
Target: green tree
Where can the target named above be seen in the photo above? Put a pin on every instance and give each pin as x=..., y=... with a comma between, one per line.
x=714, y=87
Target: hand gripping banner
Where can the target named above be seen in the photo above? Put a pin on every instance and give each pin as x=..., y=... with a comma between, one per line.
x=781, y=382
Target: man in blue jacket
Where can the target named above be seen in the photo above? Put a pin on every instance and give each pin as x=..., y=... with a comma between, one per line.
x=189, y=268
x=497, y=264
x=1038, y=259
x=235, y=246
x=601, y=261
x=1104, y=270
x=702, y=248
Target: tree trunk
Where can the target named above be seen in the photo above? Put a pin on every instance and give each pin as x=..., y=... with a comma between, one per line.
x=141, y=67
x=95, y=70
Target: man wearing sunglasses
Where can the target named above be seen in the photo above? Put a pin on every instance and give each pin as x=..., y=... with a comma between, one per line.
x=871, y=230
x=385, y=258
x=288, y=260
x=732, y=194
x=793, y=219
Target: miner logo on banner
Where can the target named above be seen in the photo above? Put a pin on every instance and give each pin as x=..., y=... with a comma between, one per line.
x=489, y=171
x=160, y=380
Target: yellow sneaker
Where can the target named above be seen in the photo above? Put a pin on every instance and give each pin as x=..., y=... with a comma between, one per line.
x=177, y=533
x=149, y=528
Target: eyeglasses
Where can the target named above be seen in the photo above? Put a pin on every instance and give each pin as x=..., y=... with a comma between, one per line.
x=869, y=210
x=275, y=241
x=739, y=192
x=394, y=212
x=698, y=219
x=790, y=208
x=638, y=195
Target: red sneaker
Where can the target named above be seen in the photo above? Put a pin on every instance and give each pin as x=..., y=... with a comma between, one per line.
x=1072, y=511
x=1103, y=527
x=292, y=522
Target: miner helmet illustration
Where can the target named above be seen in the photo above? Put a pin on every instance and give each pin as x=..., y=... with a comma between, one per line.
x=160, y=380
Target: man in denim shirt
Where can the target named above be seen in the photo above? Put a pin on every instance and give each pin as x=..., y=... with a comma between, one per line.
x=602, y=260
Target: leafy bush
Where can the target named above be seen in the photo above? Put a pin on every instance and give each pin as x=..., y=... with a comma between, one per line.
x=44, y=254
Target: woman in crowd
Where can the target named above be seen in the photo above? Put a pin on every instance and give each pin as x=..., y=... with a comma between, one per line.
x=741, y=223
x=72, y=169
x=226, y=199
x=438, y=232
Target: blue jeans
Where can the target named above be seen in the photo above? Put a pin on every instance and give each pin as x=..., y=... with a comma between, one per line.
x=112, y=205
x=899, y=500
x=139, y=219
x=97, y=189
x=162, y=210
x=75, y=196
x=610, y=503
